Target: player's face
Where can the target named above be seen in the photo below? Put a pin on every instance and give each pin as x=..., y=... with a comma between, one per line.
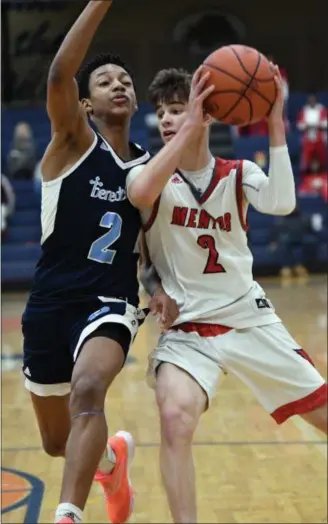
x=171, y=116
x=112, y=93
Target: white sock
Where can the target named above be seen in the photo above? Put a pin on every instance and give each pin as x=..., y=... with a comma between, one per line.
x=107, y=461
x=65, y=509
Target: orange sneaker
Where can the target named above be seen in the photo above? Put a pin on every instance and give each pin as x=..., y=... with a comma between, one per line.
x=65, y=520
x=117, y=487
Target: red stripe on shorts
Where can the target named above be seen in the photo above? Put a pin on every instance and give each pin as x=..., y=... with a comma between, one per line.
x=203, y=330
x=316, y=399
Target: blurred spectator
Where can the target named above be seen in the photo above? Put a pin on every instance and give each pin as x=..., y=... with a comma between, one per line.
x=295, y=237
x=315, y=182
x=7, y=203
x=21, y=158
x=312, y=122
x=261, y=159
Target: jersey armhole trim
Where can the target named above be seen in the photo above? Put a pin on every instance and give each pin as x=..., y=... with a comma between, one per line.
x=239, y=195
x=75, y=166
x=153, y=215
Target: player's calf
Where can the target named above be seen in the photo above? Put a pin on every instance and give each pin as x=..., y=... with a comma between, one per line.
x=99, y=362
x=52, y=447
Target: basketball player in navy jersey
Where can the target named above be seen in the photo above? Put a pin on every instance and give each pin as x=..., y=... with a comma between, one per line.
x=82, y=314
x=194, y=209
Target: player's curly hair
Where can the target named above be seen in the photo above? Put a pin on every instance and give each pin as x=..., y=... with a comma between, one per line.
x=83, y=76
x=169, y=84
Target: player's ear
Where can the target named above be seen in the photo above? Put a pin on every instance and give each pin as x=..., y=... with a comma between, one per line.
x=86, y=104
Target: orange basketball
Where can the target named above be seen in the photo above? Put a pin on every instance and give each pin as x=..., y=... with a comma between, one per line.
x=245, y=90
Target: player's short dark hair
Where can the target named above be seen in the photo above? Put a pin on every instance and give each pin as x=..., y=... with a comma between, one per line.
x=169, y=84
x=83, y=76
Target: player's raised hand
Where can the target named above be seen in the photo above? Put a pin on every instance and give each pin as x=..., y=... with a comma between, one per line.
x=198, y=94
x=164, y=308
x=277, y=112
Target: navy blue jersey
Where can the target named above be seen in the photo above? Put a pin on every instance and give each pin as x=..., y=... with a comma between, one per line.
x=89, y=232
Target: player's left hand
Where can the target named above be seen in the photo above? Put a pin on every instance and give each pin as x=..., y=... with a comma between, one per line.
x=165, y=309
x=277, y=112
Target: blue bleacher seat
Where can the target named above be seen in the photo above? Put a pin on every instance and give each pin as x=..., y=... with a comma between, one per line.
x=264, y=257
x=22, y=186
x=312, y=204
x=20, y=253
x=25, y=217
x=27, y=200
x=323, y=252
x=16, y=272
x=294, y=146
x=258, y=220
x=260, y=236
x=247, y=147
x=23, y=234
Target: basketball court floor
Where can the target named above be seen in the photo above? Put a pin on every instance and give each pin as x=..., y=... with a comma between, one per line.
x=249, y=470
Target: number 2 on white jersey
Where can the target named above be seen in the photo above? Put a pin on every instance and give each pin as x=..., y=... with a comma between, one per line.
x=212, y=264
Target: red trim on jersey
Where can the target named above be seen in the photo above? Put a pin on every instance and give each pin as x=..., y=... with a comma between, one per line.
x=220, y=172
x=315, y=400
x=203, y=330
x=153, y=215
x=239, y=195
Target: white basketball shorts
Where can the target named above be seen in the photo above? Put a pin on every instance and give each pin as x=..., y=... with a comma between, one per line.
x=267, y=359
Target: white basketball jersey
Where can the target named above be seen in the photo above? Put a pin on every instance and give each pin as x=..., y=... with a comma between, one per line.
x=199, y=247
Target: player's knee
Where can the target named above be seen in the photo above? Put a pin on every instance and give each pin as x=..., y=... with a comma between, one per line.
x=178, y=421
x=88, y=393
x=53, y=447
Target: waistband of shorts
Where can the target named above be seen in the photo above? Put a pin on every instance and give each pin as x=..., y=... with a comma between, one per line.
x=203, y=329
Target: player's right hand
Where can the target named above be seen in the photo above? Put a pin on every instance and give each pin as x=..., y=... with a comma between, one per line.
x=164, y=308
x=198, y=94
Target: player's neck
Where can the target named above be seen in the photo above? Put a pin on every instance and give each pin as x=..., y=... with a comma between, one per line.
x=197, y=156
x=117, y=136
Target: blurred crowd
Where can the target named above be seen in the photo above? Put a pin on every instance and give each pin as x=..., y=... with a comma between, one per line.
x=295, y=237
x=20, y=164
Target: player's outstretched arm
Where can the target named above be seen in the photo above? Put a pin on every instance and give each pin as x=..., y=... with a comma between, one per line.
x=64, y=110
x=274, y=194
x=144, y=189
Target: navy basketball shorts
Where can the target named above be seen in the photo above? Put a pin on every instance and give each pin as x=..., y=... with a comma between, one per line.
x=53, y=340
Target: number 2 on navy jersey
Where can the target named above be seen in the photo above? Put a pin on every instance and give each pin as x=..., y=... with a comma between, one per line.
x=212, y=264
x=99, y=250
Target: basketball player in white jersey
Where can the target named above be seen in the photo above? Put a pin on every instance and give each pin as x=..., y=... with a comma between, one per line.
x=194, y=209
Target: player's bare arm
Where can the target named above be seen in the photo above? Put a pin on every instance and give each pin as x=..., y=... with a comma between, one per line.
x=71, y=133
x=146, y=188
x=274, y=194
